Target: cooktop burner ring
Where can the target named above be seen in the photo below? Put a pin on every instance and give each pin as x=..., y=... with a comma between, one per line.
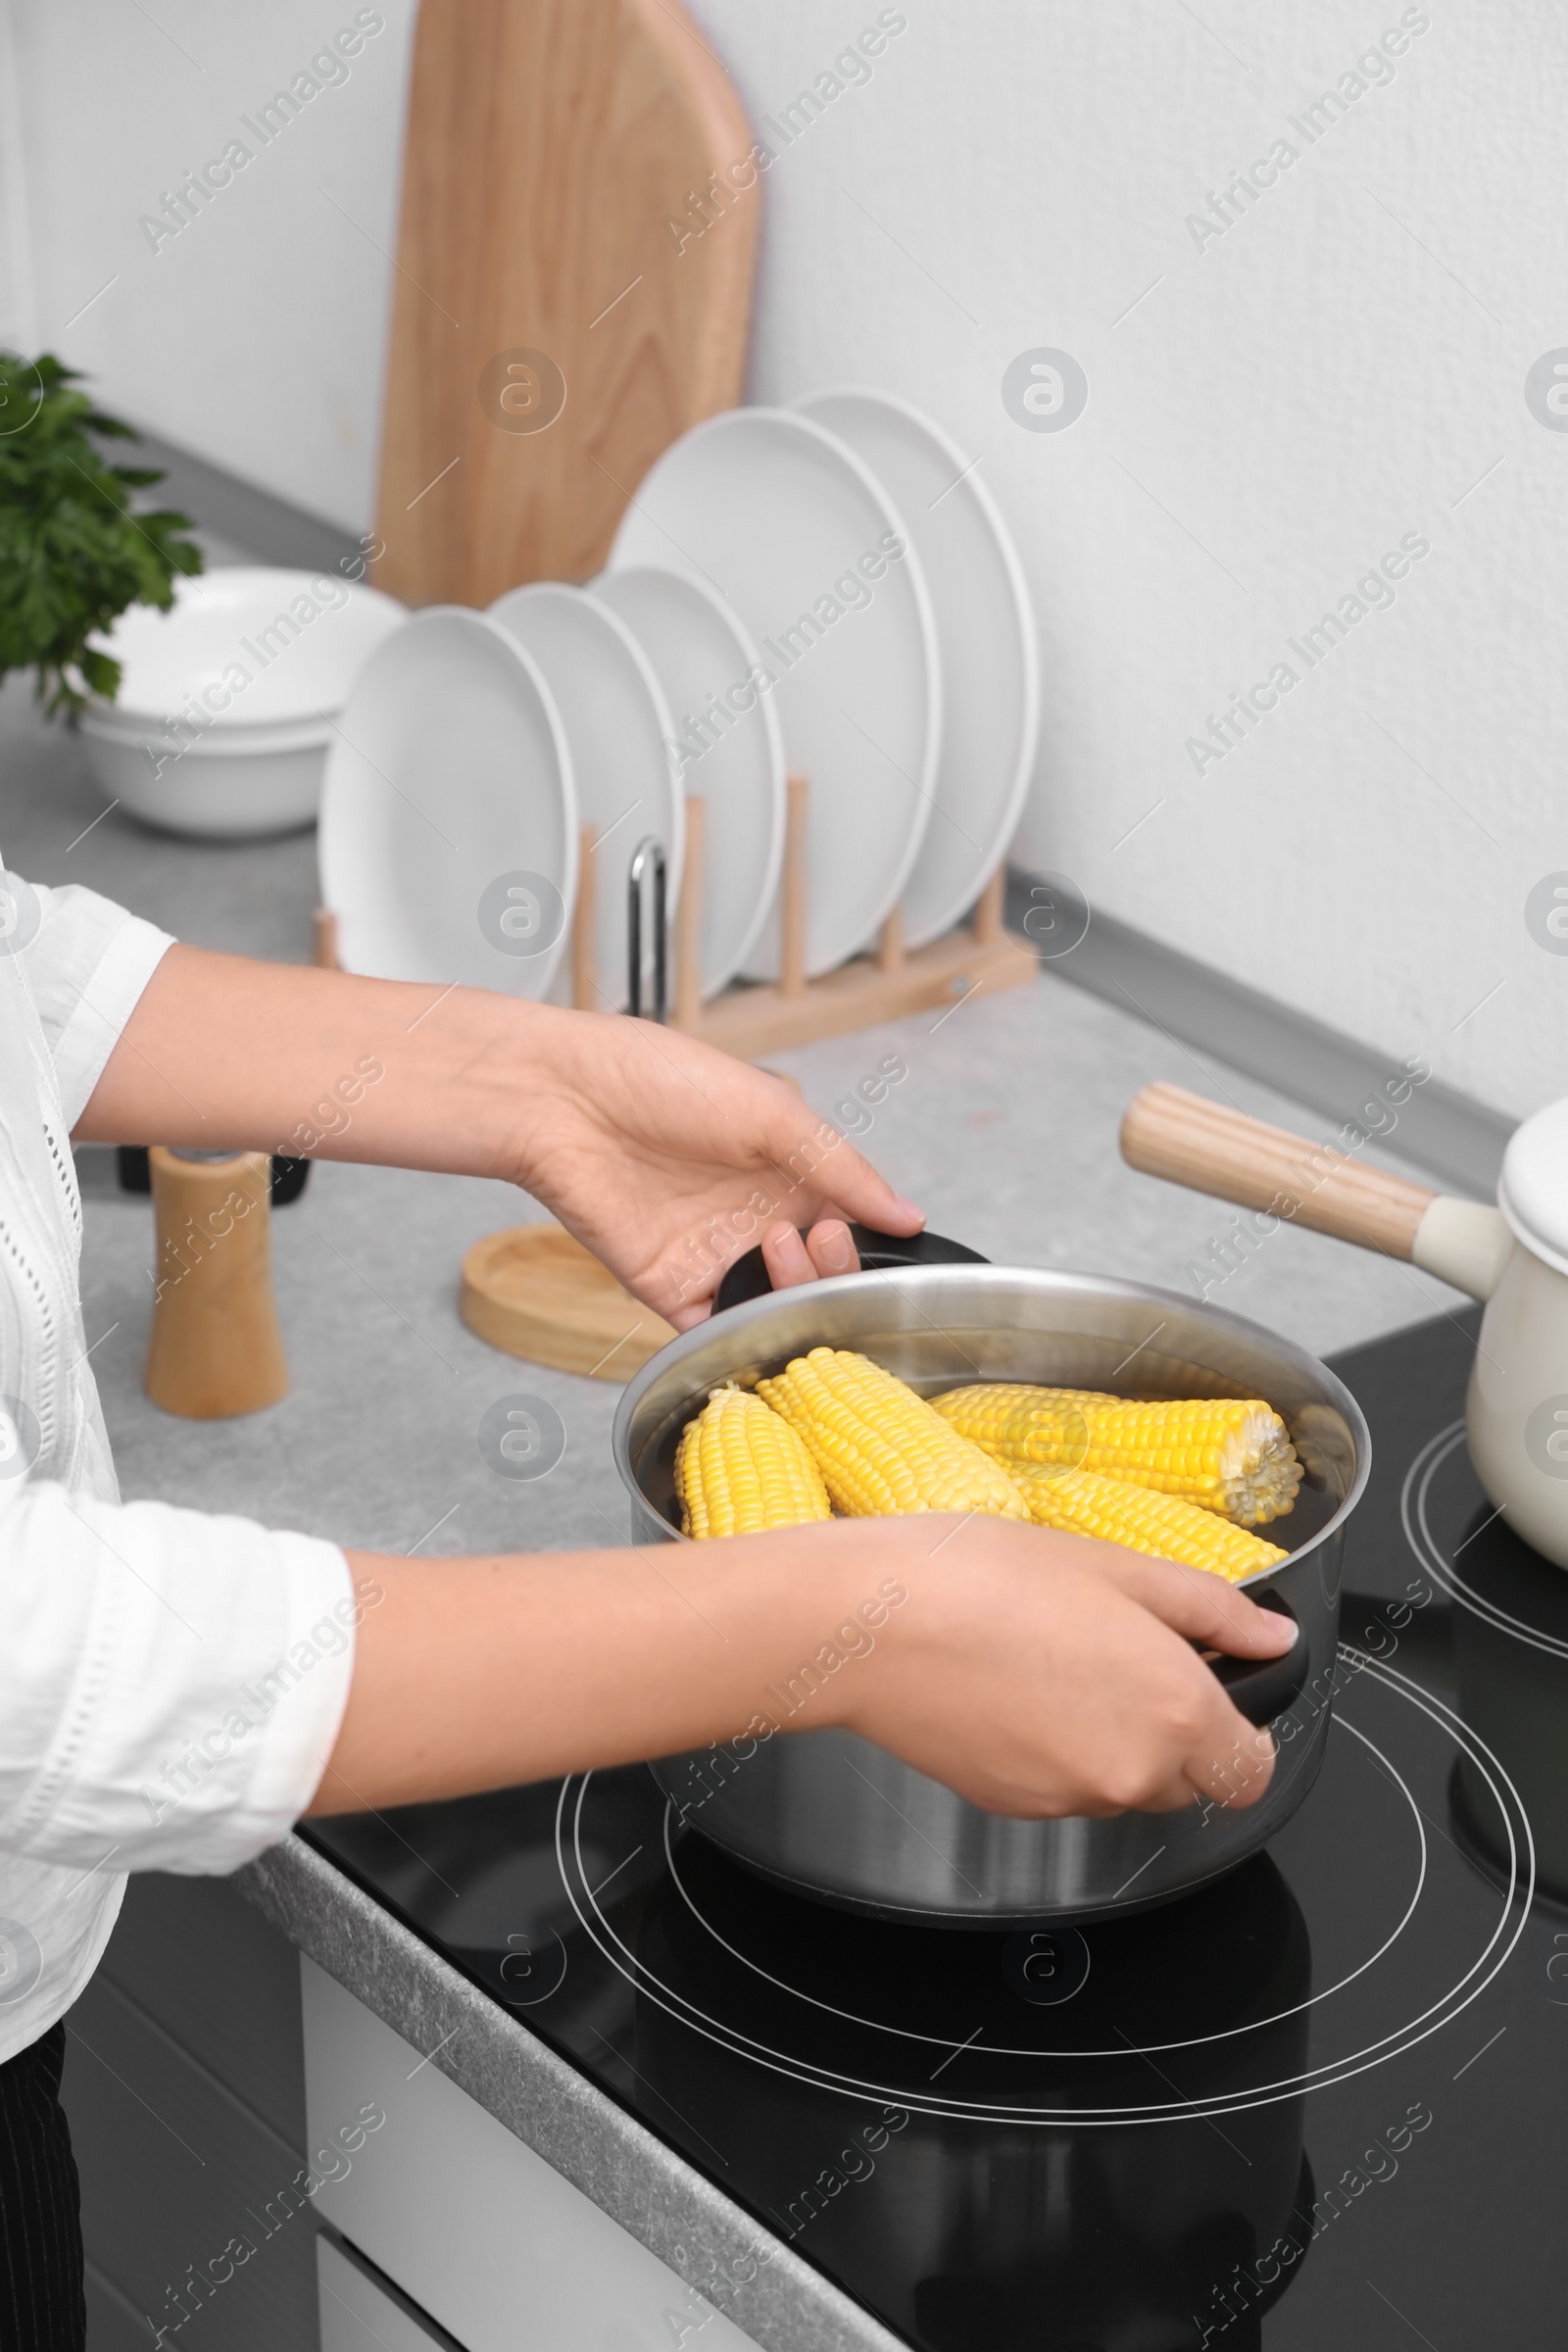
x=942, y=2042
x=1437, y=2014
x=1415, y=1514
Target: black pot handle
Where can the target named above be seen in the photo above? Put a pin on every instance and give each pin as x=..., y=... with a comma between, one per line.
x=747, y=1277
x=1263, y=1687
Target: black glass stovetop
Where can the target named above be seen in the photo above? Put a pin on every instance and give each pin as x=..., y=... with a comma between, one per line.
x=1323, y=2101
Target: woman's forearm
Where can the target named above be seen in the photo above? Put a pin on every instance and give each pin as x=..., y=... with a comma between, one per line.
x=223, y=1051
x=479, y=1673
x=1037, y=1673
x=666, y=1156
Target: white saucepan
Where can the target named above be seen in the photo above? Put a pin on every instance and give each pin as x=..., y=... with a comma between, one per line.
x=1515, y=1257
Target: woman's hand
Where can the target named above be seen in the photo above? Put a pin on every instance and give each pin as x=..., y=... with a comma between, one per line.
x=1043, y=1675
x=669, y=1159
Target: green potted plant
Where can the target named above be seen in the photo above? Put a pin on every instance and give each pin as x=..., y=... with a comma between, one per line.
x=73, y=554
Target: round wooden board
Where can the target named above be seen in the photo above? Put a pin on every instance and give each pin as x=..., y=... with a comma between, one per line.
x=534, y=1292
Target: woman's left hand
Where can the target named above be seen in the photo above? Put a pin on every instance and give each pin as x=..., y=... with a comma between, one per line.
x=669, y=1159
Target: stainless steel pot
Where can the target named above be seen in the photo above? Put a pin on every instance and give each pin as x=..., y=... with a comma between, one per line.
x=832, y=1815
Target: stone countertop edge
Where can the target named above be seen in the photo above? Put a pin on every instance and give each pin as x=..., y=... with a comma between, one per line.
x=653, y=2195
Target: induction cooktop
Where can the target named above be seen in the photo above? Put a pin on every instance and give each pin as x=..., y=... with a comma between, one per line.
x=1318, y=2102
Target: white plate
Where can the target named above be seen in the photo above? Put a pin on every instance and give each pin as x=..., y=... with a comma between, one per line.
x=988, y=639
x=733, y=758
x=263, y=647
x=448, y=800
x=772, y=511
x=621, y=734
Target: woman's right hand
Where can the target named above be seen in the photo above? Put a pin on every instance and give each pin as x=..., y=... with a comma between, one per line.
x=1042, y=1675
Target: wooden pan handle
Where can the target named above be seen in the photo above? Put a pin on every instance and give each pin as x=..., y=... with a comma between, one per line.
x=1167, y=1132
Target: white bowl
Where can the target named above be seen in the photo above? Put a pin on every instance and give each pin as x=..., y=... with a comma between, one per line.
x=226, y=704
x=243, y=783
x=244, y=646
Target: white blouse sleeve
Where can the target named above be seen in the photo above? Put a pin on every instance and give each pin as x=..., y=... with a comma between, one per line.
x=171, y=1681
x=87, y=965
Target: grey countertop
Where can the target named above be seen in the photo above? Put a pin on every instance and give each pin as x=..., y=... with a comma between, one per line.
x=1004, y=1130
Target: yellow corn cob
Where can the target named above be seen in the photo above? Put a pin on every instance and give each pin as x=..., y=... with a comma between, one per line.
x=1232, y=1455
x=1085, y=1503
x=740, y=1469
x=879, y=1447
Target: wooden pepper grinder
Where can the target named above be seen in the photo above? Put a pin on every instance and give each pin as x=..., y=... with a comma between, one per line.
x=216, y=1350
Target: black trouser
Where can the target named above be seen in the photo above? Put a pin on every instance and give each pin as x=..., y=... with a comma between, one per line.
x=41, y=2306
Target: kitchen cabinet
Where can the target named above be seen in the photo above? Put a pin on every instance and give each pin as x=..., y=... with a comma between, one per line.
x=184, y=2085
x=462, y=2217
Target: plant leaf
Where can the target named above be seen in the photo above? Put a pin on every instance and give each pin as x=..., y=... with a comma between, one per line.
x=101, y=672
x=73, y=553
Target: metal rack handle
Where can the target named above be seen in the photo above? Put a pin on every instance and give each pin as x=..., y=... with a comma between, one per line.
x=649, y=853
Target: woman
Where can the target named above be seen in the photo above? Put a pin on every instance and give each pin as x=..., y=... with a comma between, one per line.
x=1036, y=1673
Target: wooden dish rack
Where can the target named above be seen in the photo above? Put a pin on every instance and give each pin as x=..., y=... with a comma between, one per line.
x=749, y=1020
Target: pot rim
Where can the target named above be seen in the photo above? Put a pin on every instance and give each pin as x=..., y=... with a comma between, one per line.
x=753, y=1311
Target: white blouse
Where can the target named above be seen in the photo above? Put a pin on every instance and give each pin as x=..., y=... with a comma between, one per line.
x=170, y=1683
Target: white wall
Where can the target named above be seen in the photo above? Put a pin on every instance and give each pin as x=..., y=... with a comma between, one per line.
x=1339, y=369
x=254, y=336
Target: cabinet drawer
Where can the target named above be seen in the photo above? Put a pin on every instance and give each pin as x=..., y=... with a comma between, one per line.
x=359, y=2314
x=469, y=2223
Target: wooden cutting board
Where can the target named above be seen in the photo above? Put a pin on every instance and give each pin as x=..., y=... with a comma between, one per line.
x=572, y=288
